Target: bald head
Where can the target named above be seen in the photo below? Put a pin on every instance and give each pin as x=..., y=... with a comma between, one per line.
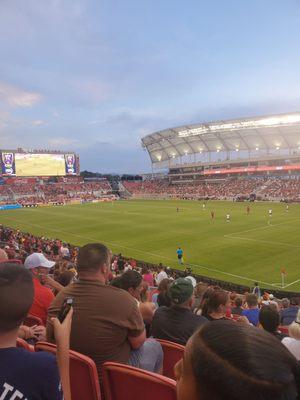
x=3, y=256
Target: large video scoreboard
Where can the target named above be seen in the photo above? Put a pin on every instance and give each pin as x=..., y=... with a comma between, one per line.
x=38, y=164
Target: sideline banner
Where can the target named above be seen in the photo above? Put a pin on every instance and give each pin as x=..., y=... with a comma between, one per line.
x=10, y=206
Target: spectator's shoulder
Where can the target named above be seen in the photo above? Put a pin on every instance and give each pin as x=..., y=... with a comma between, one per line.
x=41, y=361
x=120, y=294
x=162, y=310
x=200, y=318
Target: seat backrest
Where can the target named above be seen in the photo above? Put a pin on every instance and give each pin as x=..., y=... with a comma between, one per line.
x=24, y=345
x=31, y=320
x=83, y=373
x=173, y=352
x=123, y=382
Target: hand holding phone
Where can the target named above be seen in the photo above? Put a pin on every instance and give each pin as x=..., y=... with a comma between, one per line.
x=67, y=304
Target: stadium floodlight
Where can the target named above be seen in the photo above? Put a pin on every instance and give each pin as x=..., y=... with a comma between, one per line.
x=256, y=148
x=277, y=147
x=232, y=126
x=237, y=149
x=158, y=157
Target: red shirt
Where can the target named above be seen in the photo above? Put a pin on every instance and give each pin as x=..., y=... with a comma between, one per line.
x=43, y=297
x=149, y=279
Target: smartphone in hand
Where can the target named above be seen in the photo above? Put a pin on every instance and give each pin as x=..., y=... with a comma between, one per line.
x=65, y=308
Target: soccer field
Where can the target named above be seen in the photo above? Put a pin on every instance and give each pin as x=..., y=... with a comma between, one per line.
x=243, y=250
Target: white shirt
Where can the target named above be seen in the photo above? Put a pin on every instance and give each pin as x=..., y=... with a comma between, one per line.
x=293, y=345
x=127, y=267
x=64, y=251
x=162, y=275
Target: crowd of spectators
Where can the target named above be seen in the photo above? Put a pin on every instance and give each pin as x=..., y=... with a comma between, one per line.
x=282, y=189
x=234, y=341
x=44, y=193
x=229, y=188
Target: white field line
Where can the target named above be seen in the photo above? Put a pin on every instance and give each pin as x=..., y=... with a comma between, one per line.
x=144, y=252
x=291, y=284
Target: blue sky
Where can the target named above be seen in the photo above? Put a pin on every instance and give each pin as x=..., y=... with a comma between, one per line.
x=95, y=76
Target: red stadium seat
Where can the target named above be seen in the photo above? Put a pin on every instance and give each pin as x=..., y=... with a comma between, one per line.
x=173, y=352
x=284, y=329
x=24, y=345
x=83, y=373
x=31, y=320
x=123, y=382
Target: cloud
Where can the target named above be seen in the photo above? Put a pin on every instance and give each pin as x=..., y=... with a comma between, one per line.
x=39, y=122
x=61, y=141
x=55, y=114
x=16, y=97
x=91, y=90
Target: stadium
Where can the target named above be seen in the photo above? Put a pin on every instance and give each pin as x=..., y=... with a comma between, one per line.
x=223, y=167
x=149, y=200
x=222, y=210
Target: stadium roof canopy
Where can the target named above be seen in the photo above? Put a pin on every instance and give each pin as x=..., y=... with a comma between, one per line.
x=275, y=132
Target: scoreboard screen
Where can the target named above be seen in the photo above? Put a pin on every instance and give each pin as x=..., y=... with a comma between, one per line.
x=37, y=164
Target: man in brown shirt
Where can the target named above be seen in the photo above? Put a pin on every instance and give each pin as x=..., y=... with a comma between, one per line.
x=107, y=323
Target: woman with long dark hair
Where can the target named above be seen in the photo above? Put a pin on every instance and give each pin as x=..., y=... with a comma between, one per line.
x=227, y=361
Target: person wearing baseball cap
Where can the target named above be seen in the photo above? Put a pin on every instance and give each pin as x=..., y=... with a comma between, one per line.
x=39, y=266
x=177, y=323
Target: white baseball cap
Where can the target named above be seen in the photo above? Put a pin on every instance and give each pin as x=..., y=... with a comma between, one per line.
x=38, y=260
x=192, y=280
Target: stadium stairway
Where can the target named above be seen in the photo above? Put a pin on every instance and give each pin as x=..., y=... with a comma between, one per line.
x=261, y=189
x=123, y=192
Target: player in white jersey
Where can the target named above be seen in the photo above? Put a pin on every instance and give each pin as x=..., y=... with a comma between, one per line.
x=203, y=206
x=228, y=218
x=270, y=216
x=287, y=208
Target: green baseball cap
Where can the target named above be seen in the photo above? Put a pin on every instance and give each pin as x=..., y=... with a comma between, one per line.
x=181, y=290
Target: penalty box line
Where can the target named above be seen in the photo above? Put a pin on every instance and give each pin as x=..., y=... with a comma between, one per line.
x=146, y=252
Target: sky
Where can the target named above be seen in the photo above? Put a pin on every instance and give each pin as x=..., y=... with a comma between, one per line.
x=95, y=76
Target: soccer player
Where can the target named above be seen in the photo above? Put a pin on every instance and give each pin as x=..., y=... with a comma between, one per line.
x=212, y=213
x=228, y=218
x=203, y=206
x=179, y=253
x=287, y=208
x=248, y=210
x=177, y=209
x=270, y=216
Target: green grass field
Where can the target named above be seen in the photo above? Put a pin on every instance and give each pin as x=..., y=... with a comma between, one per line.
x=242, y=251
